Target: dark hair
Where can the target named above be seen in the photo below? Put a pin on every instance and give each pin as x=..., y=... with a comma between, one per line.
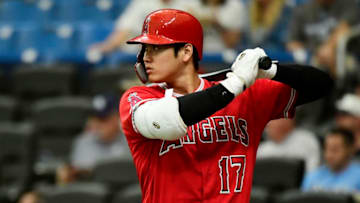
x=178, y=46
x=346, y=135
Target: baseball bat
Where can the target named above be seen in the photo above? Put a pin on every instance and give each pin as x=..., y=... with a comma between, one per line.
x=264, y=63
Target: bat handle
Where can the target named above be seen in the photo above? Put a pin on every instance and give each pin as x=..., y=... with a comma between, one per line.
x=265, y=63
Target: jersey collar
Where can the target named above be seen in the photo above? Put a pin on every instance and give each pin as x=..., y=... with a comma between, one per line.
x=201, y=87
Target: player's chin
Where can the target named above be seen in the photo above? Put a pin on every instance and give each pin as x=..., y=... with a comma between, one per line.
x=153, y=78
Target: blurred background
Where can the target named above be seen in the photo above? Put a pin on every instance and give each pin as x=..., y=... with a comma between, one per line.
x=64, y=64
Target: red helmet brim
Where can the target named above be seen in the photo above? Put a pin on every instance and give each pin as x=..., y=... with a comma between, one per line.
x=152, y=39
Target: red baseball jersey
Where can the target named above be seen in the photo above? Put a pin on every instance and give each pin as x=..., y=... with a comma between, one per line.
x=214, y=162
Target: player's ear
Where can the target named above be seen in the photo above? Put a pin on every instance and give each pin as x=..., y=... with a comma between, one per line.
x=188, y=51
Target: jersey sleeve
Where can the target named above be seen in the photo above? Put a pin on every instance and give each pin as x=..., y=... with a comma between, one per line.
x=131, y=100
x=273, y=100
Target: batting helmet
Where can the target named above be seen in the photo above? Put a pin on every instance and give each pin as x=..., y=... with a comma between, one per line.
x=171, y=26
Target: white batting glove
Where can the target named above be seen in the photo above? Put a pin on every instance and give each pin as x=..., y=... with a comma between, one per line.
x=269, y=73
x=244, y=71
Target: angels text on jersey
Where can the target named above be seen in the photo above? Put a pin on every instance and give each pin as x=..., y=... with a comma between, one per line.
x=210, y=130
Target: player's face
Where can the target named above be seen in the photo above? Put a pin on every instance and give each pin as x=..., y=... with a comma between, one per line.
x=160, y=63
x=336, y=153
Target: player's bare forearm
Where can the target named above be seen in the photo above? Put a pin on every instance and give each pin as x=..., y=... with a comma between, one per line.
x=311, y=83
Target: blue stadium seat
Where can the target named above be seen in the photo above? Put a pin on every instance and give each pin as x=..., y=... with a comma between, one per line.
x=58, y=42
x=11, y=10
x=65, y=10
x=18, y=37
x=86, y=10
x=7, y=42
x=119, y=6
x=98, y=10
x=28, y=37
x=87, y=33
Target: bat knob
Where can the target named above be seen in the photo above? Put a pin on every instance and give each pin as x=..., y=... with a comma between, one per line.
x=265, y=63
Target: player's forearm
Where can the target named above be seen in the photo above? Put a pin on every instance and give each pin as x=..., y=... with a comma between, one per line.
x=200, y=105
x=311, y=83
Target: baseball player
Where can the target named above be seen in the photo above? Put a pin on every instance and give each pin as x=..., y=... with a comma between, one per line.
x=194, y=140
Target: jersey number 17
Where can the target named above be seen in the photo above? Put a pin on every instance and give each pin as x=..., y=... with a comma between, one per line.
x=238, y=161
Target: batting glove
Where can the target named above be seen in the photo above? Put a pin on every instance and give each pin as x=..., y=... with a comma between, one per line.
x=244, y=71
x=269, y=73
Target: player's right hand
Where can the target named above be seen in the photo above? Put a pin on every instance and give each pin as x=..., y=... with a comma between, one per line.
x=246, y=65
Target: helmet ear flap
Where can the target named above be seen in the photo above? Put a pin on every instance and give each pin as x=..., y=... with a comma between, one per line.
x=140, y=66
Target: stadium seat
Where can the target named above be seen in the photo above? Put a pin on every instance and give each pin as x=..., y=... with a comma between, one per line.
x=86, y=10
x=116, y=173
x=11, y=11
x=5, y=80
x=58, y=42
x=16, y=158
x=107, y=80
x=57, y=121
x=69, y=11
x=7, y=42
x=295, y=196
x=89, y=10
x=278, y=174
x=32, y=82
x=88, y=33
x=98, y=10
x=259, y=195
x=81, y=192
x=28, y=37
x=119, y=7
x=3, y=83
x=130, y=194
x=8, y=106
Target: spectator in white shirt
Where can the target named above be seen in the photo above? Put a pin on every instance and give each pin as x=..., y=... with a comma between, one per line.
x=285, y=140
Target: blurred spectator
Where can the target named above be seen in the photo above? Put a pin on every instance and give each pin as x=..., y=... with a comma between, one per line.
x=31, y=197
x=102, y=139
x=223, y=21
x=316, y=28
x=129, y=23
x=268, y=22
x=283, y=141
x=348, y=116
x=314, y=31
x=339, y=173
